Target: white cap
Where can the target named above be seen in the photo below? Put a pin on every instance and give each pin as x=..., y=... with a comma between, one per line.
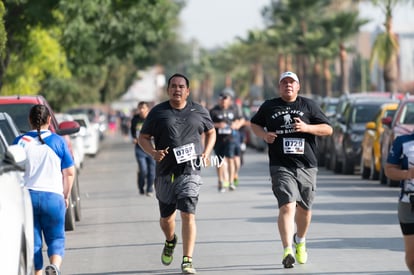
x=289, y=74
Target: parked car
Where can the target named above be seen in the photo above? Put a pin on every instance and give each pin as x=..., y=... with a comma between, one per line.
x=77, y=142
x=96, y=117
x=89, y=133
x=371, y=146
x=330, y=163
x=18, y=107
x=8, y=127
x=349, y=129
x=402, y=123
x=328, y=106
x=16, y=214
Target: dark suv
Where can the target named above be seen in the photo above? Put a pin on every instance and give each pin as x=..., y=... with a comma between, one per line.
x=349, y=129
x=18, y=107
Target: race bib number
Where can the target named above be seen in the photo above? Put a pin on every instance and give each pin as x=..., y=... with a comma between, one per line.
x=184, y=153
x=224, y=131
x=294, y=146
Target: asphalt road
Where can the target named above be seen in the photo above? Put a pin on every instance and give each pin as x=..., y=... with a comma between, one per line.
x=354, y=228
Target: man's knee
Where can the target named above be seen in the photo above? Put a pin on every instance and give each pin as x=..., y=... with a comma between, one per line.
x=187, y=217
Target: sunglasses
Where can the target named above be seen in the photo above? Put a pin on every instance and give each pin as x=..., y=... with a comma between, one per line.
x=224, y=97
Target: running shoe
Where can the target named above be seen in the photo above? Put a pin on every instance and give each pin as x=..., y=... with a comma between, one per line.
x=221, y=188
x=236, y=182
x=168, y=251
x=301, y=253
x=52, y=270
x=232, y=187
x=187, y=266
x=288, y=259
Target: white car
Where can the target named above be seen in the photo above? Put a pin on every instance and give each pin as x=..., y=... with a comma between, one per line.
x=16, y=212
x=90, y=134
x=78, y=147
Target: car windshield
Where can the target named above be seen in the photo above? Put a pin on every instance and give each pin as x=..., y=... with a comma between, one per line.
x=8, y=132
x=364, y=113
x=407, y=115
x=19, y=113
x=81, y=122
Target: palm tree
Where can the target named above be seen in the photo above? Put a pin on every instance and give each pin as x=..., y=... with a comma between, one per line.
x=386, y=47
x=349, y=26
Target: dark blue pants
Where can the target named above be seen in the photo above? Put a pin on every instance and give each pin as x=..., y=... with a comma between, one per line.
x=146, y=170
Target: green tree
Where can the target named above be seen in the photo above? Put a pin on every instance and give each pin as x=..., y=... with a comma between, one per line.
x=100, y=35
x=3, y=35
x=102, y=42
x=386, y=46
x=41, y=57
x=339, y=28
x=20, y=19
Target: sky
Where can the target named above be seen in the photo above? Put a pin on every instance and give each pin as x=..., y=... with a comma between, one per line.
x=216, y=23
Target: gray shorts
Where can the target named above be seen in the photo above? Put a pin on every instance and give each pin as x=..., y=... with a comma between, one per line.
x=177, y=193
x=291, y=185
x=406, y=218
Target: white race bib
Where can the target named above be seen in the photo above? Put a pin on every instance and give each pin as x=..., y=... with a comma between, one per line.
x=294, y=146
x=225, y=131
x=184, y=153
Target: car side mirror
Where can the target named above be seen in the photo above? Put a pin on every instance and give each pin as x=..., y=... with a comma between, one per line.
x=16, y=156
x=68, y=128
x=387, y=121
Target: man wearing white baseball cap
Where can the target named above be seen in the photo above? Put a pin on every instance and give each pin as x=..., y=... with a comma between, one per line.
x=289, y=74
x=289, y=124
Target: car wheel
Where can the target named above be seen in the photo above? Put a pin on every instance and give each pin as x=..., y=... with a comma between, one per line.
x=70, y=216
x=393, y=183
x=328, y=157
x=382, y=176
x=76, y=199
x=336, y=165
x=348, y=166
x=321, y=159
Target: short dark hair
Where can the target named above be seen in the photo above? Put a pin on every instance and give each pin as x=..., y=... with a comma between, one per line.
x=179, y=75
x=143, y=103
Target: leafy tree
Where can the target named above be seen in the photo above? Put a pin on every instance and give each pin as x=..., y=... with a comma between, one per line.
x=339, y=27
x=100, y=35
x=20, y=18
x=102, y=42
x=41, y=57
x=386, y=46
x=3, y=35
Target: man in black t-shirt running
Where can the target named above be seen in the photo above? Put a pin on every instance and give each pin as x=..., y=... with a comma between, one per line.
x=290, y=124
x=227, y=120
x=177, y=126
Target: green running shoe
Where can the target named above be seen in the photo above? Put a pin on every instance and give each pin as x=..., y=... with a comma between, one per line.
x=301, y=253
x=168, y=251
x=288, y=259
x=187, y=266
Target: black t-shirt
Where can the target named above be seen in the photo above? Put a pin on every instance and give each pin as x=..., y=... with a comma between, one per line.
x=136, y=125
x=228, y=115
x=173, y=128
x=290, y=149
